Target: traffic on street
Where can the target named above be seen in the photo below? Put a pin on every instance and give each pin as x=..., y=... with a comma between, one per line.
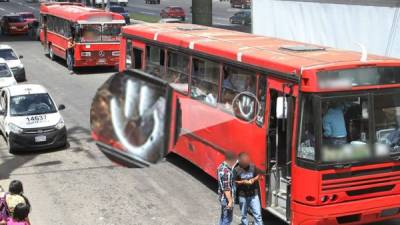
x=133, y=115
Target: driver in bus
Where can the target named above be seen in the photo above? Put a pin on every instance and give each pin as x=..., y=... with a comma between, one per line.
x=334, y=125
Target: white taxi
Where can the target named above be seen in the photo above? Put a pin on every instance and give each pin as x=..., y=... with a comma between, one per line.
x=29, y=118
x=6, y=75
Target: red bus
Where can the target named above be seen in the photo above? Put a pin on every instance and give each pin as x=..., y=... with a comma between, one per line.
x=199, y=92
x=94, y=34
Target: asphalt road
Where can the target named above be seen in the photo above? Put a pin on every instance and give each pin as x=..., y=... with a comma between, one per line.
x=78, y=185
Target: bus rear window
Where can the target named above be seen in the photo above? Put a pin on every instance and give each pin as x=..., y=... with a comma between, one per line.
x=358, y=77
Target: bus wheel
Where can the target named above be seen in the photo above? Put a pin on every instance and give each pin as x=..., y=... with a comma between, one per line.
x=51, y=53
x=70, y=61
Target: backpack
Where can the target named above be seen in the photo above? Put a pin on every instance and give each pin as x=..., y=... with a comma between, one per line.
x=4, y=212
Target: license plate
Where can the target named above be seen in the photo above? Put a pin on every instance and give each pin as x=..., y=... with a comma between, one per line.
x=40, y=138
x=102, y=61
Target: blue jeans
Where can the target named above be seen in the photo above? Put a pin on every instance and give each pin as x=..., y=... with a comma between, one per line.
x=226, y=214
x=253, y=203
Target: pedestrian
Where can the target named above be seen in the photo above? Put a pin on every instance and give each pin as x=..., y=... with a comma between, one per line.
x=226, y=188
x=70, y=53
x=20, y=215
x=246, y=177
x=15, y=195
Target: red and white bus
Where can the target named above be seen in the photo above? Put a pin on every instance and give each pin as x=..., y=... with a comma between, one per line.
x=200, y=92
x=81, y=35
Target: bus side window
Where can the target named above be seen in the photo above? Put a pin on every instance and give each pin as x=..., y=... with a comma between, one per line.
x=235, y=81
x=205, y=79
x=137, y=56
x=128, y=52
x=262, y=96
x=155, y=61
x=178, y=71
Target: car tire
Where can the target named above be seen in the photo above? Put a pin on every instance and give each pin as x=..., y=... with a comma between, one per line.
x=51, y=53
x=11, y=149
x=70, y=61
x=183, y=18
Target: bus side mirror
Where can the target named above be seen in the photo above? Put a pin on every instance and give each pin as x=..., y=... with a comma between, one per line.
x=281, y=107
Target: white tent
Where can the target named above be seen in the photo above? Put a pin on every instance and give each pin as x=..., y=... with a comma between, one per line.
x=336, y=23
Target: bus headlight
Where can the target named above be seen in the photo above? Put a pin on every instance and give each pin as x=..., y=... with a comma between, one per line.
x=115, y=53
x=86, y=54
x=14, y=128
x=60, y=124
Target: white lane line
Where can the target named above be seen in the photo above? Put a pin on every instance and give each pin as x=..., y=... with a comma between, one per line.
x=32, y=7
x=148, y=13
x=2, y=9
x=20, y=3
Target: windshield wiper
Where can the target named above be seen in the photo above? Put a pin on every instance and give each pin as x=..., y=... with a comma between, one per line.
x=343, y=165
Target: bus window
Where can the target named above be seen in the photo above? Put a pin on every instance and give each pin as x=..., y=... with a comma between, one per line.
x=235, y=81
x=307, y=135
x=90, y=33
x=178, y=71
x=154, y=61
x=111, y=32
x=205, y=79
x=128, y=52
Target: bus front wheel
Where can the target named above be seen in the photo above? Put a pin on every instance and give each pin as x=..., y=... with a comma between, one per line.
x=51, y=53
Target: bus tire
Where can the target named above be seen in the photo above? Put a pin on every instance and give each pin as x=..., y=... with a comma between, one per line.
x=51, y=53
x=70, y=61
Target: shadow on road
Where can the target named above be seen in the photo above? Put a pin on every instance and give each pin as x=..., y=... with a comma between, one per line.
x=14, y=38
x=193, y=170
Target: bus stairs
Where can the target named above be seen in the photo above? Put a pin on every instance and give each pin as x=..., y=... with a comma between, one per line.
x=279, y=198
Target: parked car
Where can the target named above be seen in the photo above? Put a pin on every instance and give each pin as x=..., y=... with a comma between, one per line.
x=170, y=20
x=13, y=24
x=30, y=119
x=152, y=1
x=173, y=12
x=4, y=0
x=28, y=17
x=243, y=18
x=34, y=30
x=13, y=61
x=244, y=4
x=120, y=2
x=6, y=75
x=120, y=10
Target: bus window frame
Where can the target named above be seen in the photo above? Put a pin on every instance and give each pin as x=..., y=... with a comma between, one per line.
x=218, y=84
x=317, y=165
x=189, y=74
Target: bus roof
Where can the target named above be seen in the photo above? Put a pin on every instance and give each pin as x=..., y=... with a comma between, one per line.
x=264, y=52
x=78, y=13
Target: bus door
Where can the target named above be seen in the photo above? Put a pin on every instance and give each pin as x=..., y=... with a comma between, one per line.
x=280, y=104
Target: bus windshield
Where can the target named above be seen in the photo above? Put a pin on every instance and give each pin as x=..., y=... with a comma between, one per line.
x=350, y=127
x=99, y=33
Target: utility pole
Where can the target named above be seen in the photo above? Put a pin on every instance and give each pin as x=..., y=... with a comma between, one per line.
x=202, y=12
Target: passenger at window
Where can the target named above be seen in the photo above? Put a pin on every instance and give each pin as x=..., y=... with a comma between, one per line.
x=334, y=124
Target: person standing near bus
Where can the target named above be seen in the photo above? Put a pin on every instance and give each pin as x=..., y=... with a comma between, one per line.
x=70, y=50
x=246, y=179
x=226, y=188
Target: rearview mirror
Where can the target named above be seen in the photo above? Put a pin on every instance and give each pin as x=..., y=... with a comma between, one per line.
x=21, y=56
x=61, y=107
x=281, y=107
x=2, y=112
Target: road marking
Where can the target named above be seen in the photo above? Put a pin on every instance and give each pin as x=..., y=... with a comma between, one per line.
x=32, y=7
x=2, y=9
x=148, y=13
x=20, y=3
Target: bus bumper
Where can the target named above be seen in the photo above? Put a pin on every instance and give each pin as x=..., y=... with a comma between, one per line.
x=112, y=61
x=349, y=213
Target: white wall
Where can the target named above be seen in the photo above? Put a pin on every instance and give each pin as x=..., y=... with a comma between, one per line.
x=336, y=25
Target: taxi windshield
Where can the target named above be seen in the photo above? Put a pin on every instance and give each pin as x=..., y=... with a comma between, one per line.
x=8, y=54
x=4, y=71
x=32, y=104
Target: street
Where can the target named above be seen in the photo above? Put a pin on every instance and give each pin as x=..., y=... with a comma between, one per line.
x=78, y=185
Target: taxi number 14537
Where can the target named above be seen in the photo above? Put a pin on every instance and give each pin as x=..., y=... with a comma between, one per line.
x=36, y=119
